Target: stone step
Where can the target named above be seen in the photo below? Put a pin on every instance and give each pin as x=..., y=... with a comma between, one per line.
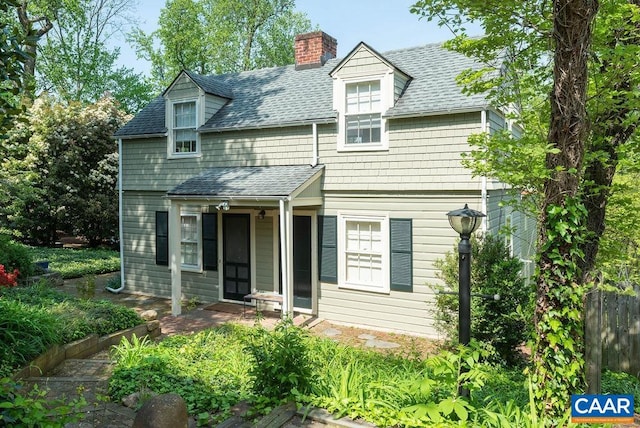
x=278, y=416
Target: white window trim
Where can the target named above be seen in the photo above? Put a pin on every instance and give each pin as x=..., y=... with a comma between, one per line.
x=193, y=212
x=343, y=217
x=386, y=101
x=169, y=119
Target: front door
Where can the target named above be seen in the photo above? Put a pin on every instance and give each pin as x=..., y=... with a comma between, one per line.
x=236, y=258
x=302, y=262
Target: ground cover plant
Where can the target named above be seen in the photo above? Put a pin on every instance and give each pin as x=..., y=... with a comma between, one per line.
x=77, y=262
x=34, y=317
x=214, y=369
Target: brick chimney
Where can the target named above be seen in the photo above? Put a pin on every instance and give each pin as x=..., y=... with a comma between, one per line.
x=314, y=49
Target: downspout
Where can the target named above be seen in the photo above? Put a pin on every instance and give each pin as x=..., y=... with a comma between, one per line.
x=314, y=142
x=483, y=120
x=120, y=222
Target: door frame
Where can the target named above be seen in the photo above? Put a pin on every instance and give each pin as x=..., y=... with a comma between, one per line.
x=314, y=258
x=221, y=254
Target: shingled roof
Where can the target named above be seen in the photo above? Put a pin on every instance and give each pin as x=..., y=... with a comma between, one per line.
x=246, y=181
x=283, y=96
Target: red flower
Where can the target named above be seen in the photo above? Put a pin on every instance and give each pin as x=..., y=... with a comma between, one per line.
x=8, y=279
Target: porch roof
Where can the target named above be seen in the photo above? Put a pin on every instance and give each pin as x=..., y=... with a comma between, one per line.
x=248, y=182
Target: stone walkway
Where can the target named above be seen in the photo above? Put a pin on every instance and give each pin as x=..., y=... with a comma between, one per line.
x=90, y=376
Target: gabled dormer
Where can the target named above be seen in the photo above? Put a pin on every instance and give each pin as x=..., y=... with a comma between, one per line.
x=190, y=101
x=365, y=86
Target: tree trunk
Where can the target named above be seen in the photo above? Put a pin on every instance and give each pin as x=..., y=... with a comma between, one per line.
x=558, y=356
x=31, y=46
x=611, y=129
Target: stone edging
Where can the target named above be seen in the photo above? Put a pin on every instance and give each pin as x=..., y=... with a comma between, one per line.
x=83, y=348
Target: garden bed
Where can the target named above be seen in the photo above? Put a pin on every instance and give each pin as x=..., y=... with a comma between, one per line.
x=83, y=348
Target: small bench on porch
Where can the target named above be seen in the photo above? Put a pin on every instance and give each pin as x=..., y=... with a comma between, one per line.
x=258, y=296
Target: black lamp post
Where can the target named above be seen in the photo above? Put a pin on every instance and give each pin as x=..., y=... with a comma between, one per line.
x=464, y=221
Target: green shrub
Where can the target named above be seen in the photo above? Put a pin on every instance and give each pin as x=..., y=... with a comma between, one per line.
x=25, y=332
x=282, y=366
x=19, y=408
x=500, y=323
x=15, y=256
x=32, y=318
x=208, y=369
x=76, y=263
x=621, y=383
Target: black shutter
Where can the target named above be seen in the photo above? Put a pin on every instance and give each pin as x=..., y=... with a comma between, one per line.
x=401, y=254
x=328, y=248
x=162, y=238
x=210, y=241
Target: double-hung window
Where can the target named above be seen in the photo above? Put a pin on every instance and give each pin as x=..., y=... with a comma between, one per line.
x=184, y=127
x=363, y=113
x=190, y=240
x=364, y=252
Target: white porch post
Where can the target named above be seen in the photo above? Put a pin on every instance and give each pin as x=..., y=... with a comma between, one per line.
x=289, y=226
x=283, y=259
x=175, y=263
x=286, y=253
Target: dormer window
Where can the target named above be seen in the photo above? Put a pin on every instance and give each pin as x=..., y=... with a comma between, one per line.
x=361, y=103
x=363, y=117
x=183, y=132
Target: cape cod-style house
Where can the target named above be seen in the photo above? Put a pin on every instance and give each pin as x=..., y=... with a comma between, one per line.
x=327, y=181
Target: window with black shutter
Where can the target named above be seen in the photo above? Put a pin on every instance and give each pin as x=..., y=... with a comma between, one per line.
x=328, y=248
x=401, y=254
x=162, y=238
x=210, y=241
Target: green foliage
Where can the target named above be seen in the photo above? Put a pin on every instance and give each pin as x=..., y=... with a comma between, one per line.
x=26, y=331
x=62, y=171
x=219, y=36
x=505, y=323
x=32, y=318
x=559, y=370
x=76, y=263
x=14, y=255
x=282, y=365
x=87, y=287
x=12, y=58
x=621, y=383
x=619, y=254
x=210, y=369
x=21, y=408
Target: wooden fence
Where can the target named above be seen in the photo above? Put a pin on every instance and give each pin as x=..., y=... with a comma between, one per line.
x=612, y=333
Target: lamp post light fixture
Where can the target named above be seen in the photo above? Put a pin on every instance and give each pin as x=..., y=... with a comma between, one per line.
x=465, y=221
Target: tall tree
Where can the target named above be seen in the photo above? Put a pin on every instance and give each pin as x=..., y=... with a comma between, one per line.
x=12, y=63
x=75, y=62
x=217, y=36
x=69, y=54
x=35, y=18
x=591, y=121
x=61, y=171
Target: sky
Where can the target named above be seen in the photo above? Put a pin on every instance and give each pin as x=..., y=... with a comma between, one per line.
x=382, y=24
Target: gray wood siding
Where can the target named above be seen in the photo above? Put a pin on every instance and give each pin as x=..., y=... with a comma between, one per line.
x=146, y=167
x=423, y=155
x=495, y=122
x=363, y=62
x=183, y=88
x=399, y=82
x=264, y=254
x=212, y=104
x=142, y=275
x=524, y=235
x=432, y=238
